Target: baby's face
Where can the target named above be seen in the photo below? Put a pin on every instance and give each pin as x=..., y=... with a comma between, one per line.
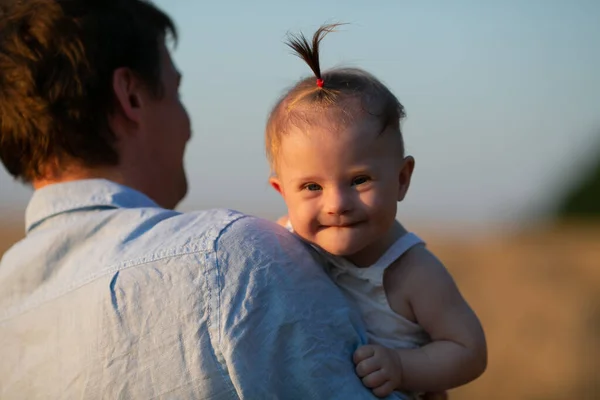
x=342, y=184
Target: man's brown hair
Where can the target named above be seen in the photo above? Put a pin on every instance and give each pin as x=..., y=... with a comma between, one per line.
x=310, y=98
x=57, y=59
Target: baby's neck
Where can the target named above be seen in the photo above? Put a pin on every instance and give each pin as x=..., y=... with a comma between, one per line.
x=373, y=252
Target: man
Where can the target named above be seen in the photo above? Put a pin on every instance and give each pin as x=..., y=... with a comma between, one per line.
x=112, y=294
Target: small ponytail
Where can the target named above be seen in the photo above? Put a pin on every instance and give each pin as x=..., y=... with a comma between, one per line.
x=309, y=52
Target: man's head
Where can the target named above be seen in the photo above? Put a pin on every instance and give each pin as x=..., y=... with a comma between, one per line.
x=88, y=89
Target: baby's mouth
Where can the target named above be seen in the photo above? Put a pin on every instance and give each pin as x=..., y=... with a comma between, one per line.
x=344, y=225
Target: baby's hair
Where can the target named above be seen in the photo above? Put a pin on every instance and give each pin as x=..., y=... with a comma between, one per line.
x=308, y=53
x=332, y=91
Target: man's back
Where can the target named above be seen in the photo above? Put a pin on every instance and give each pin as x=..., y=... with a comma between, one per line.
x=110, y=296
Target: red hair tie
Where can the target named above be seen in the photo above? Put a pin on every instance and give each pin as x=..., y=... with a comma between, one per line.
x=320, y=82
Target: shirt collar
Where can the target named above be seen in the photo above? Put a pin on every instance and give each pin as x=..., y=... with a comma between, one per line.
x=81, y=194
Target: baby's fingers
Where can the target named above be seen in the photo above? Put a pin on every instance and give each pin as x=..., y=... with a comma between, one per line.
x=375, y=379
x=384, y=390
x=435, y=396
x=368, y=366
x=363, y=352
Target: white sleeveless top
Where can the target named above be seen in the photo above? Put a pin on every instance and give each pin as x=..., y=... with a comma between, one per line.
x=364, y=286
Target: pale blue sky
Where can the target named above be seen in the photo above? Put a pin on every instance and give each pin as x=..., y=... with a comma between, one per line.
x=503, y=98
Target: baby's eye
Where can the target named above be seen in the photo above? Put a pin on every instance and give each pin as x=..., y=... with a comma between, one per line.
x=312, y=187
x=360, y=180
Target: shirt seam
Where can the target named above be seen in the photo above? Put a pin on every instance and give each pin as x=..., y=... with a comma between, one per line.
x=216, y=319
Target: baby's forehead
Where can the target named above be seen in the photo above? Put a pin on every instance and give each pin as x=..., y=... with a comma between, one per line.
x=357, y=130
x=336, y=119
x=363, y=137
x=320, y=151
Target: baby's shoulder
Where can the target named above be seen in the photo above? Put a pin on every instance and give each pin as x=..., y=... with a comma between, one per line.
x=414, y=270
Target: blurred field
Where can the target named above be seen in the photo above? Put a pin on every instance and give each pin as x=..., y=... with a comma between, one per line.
x=538, y=295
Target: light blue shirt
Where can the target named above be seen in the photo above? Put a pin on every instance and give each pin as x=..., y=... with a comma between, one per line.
x=110, y=296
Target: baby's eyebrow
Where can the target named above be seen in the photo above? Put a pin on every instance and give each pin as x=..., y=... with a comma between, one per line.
x=304, y=179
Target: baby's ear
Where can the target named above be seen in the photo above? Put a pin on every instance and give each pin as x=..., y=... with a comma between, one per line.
x=408, y=166
x=275, y=184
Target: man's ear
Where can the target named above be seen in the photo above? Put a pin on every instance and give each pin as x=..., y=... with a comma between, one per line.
x=128, y=92
x=276, y=184
x=406, y=171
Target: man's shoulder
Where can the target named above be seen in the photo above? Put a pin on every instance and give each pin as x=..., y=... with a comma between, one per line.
x=201, y=222
x=259, y=235
x=258, y=247
x=220, y=227
x=164, y=234
x=216, y=218
x=166, y=229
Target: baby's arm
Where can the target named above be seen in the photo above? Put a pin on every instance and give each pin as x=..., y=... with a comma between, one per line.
x=457, y=353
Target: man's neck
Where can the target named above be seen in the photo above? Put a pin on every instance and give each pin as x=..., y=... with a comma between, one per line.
x=76, y=174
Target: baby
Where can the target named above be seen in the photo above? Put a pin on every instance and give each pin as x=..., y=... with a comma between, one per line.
x=337, y=157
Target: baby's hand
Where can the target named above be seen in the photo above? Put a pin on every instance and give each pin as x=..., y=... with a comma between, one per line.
x=379, y=368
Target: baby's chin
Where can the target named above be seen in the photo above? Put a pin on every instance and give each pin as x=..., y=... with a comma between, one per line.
x=337, y=251
x=341, y=242
x=343, y=248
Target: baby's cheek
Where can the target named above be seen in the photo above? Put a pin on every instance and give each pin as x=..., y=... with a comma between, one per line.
x=382, y=209
x=304, y=219
x=372, y=203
